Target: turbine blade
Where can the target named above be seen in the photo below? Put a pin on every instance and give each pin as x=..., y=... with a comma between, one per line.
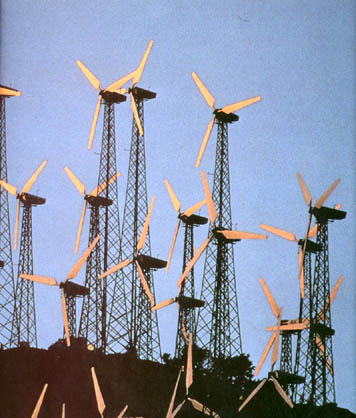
x=7, y=91
x=321, y=315
x=39, y=402
x=140, y=68
x=8, y=187
x=122, y=412
x=98, y=190
x=298, y=326
x=94, y=81
x=184, y=332
x=189, y=371
x=145, y=284
x=305, y=191
x=99, y=397
x=94, y=123
x=17, y=224
x=301, y=272
x=80, y=228
x=205, y=141
x=282, y=392
x=173, y=245
x=265, y=353
x=322, y=198
x=179, y=407
x=80, y=262
x=270, y=298
x=241, y=235
x=172, y=195
x=143, y=235
x=163, y=304
x=40, y=279
x=322, y=352
x=240, y=105
x=313, y=231
x=209, y=200
x=77, y=183
x=194, y=208
x=33, y=178
x=171, y=404
x=65, y=319
x=276, y=340
x=252, y=394
x=280, y=232
x=116, y=268
x=204, y=91
x=119, y=83
x=202, y=408
x=193, y=261
x=135, y=113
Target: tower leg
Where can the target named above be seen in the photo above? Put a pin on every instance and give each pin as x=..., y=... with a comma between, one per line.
x=142, y=334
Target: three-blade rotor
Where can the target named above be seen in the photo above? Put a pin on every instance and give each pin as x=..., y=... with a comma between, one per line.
x=95, y=193
x=95, y=82
x=53, y=282
x=211, y=103
x=22, y=195
x=219, y=234
x=140, y=245
x=187, y=213
x=291, y=237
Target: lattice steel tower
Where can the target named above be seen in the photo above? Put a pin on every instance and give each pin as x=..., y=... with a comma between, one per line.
x=104, y=220
x=186, y=316
x=143, y=333
x=7, y=287
x=218, y=323
x=319, y=387
x=24, y=320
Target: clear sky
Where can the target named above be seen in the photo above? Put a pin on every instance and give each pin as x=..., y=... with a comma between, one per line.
x=298, y=55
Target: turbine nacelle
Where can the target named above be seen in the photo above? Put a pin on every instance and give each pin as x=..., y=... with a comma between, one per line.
x=31, y=199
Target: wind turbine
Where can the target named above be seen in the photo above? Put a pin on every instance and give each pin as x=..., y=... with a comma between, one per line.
x=273, y=342
x=99, y=397
x=141, y=260
x=65, y=286
x=188, y=382
x=310, y=247
x=93, y=198
x=133, y=89
x=7, y=291
x=109, y=94
x=226, y=113
x=24, y=196
x=219, y=233
x=188, y=217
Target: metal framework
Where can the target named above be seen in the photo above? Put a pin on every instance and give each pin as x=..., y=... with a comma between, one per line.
x=218, y=323
x=186, y=316
x=305, y=306
x=92, y=324
x=103, y=293
x=319, y=387
x=7, y=287
x=24, y=320
x=142, y=333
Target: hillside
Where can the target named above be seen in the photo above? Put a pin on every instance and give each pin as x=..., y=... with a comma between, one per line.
x=144, y=385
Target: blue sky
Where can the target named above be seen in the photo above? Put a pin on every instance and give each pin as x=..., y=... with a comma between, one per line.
x=299, y=56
